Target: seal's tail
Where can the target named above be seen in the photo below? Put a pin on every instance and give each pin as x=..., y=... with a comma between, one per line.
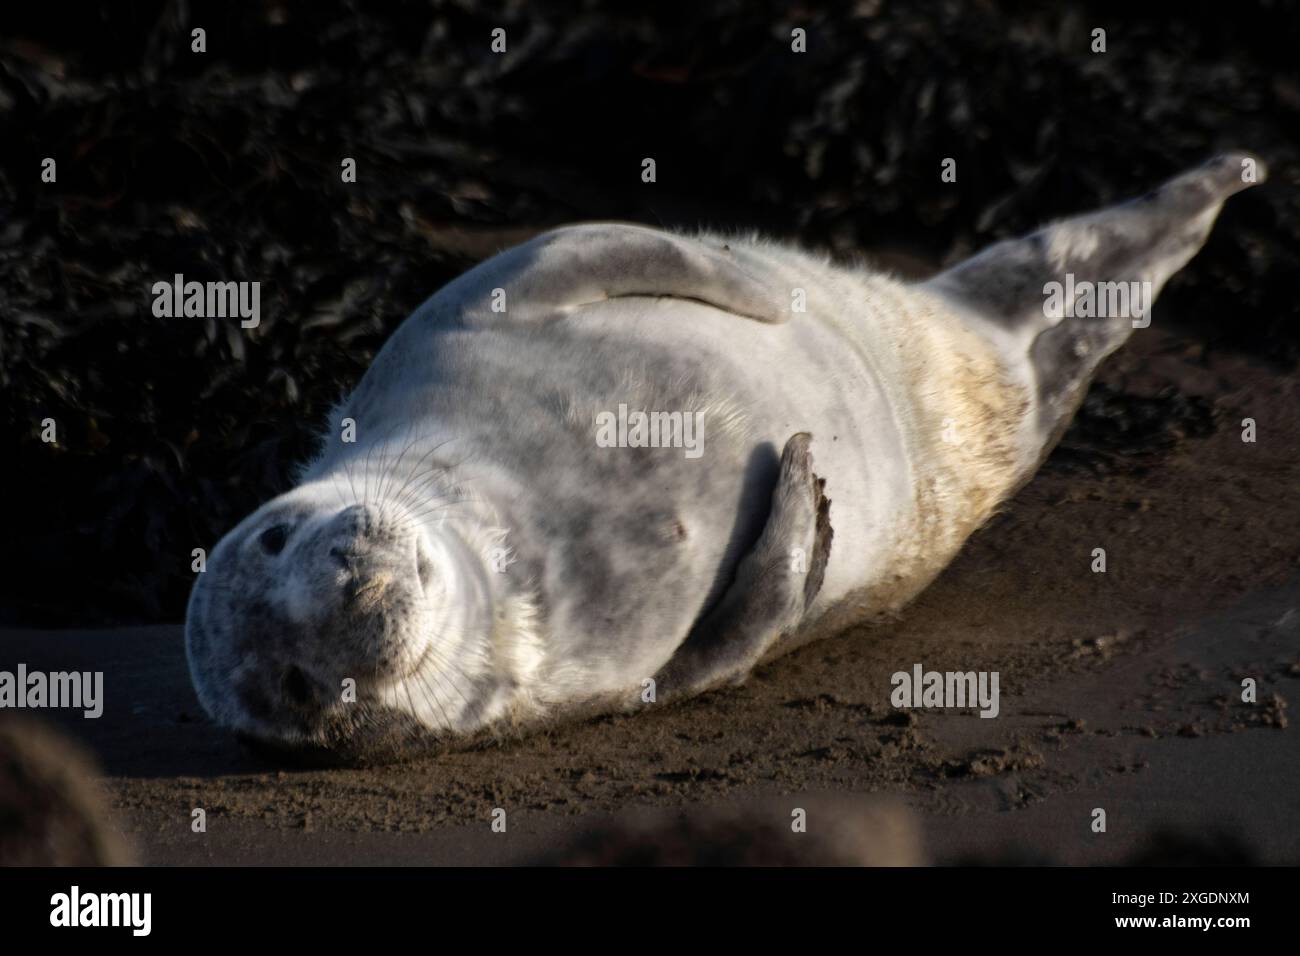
x=1072, y=292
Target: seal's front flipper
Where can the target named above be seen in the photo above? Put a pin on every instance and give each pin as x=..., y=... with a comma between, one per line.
x=575, y=266
x=1071, y=293
x=775, y=583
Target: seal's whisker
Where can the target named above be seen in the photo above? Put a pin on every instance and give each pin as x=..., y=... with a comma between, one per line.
x=432, y=697
x=452, y=676
x=436, y=699
x=389, y=470
x=425, y=493
x=457, y=489
x=334, y=483
x=396, y=490
x=365, y=472
x=416, y=519
x=439, y=470
x=417, y=474
x=415, y=711
x=347, y=468
x=420, y=483
x=422, y=488
x=445, y=666
x=437, y=503
x=382, y=448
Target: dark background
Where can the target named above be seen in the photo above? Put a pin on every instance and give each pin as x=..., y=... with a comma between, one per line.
x=225, y=165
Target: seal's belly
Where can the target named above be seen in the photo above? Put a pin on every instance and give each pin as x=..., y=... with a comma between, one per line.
x=805, y=375
x=629, y=542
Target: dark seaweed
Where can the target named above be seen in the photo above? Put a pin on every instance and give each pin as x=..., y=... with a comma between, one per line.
x=225, y=165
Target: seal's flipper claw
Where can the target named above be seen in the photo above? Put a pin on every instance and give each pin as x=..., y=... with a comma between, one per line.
x=574, y=266
x=775, y=584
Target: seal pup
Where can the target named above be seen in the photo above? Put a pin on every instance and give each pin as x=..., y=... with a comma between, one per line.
x=581, y=476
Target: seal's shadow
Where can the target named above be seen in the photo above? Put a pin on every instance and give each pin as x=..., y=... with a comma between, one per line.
x=151, y=724
x=761, y=472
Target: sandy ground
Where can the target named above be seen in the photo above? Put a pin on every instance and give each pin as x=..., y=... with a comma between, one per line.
x=1119, y=690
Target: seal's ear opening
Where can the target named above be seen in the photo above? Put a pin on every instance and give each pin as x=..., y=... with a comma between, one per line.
x=1073, y=292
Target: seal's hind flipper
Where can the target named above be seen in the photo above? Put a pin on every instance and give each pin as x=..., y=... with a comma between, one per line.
x=1037, y=289
x=775, y=583
x=1145, y=239
x=567, y=268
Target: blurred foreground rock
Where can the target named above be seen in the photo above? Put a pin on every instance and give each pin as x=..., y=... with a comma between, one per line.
x=51, y=813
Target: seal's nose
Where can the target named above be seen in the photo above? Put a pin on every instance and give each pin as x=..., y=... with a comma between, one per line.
x=353, y=537
x=364, y=551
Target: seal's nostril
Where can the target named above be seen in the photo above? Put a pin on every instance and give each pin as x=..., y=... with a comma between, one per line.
x=296, y=686
x=340, y=558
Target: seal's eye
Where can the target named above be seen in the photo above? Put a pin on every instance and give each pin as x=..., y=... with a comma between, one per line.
x=273, y=538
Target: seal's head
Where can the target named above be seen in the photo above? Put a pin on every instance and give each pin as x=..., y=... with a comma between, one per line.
x=321, y=622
